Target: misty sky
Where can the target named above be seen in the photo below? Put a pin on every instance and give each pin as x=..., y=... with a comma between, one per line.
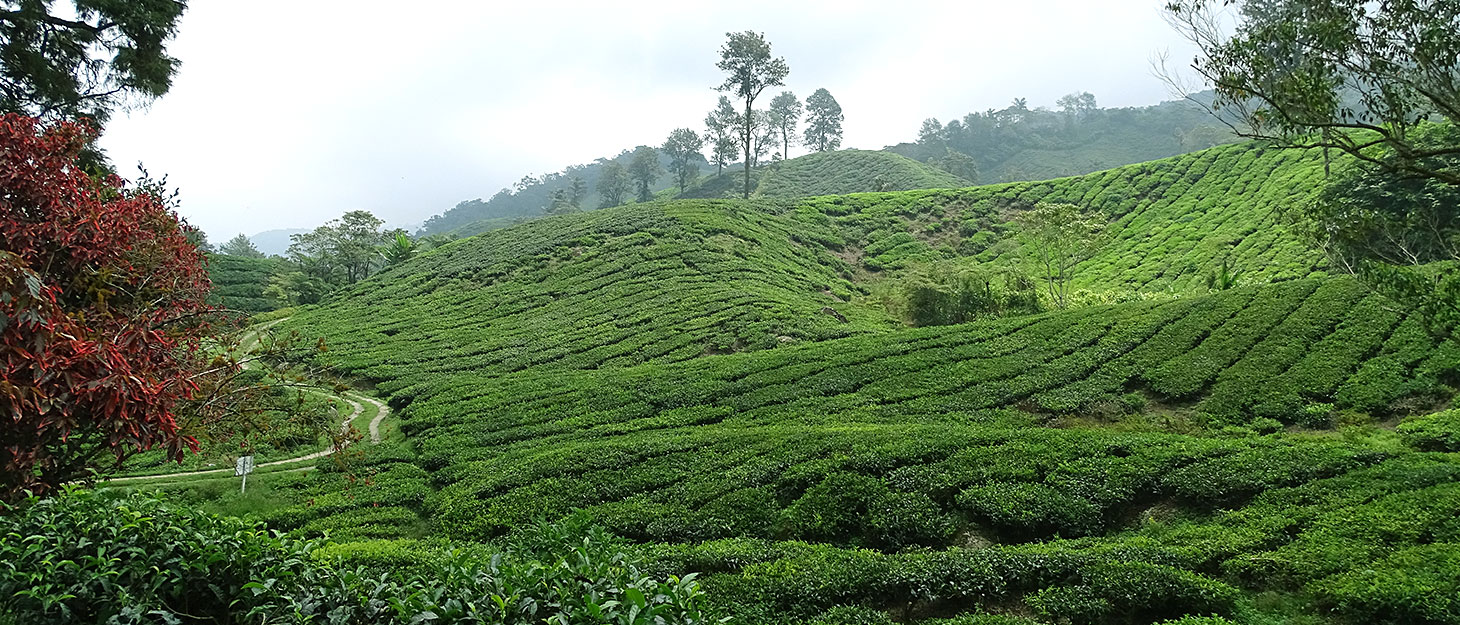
x=289, y=113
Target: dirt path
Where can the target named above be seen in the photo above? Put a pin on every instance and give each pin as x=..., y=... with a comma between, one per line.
x=251, y=340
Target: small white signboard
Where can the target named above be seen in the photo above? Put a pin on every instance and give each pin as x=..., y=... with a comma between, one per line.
x=242, y=469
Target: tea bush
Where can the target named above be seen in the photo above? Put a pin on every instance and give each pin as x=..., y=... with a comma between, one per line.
x=90, y=557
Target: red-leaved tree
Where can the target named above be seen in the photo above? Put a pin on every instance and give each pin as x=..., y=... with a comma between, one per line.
x=102, y=314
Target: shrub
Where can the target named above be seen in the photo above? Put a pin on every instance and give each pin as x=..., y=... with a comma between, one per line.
x=1029, y=511
x=1417, y=586
x=1433, y=432
x=94, y=557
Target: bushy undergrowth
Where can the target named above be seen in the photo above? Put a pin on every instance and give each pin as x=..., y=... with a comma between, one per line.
x=86, y=557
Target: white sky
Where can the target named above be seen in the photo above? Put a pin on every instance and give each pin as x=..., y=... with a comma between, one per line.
x=287, y=113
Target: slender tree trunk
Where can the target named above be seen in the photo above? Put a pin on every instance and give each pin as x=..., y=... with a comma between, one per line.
x=745, y=134
x=786, y=144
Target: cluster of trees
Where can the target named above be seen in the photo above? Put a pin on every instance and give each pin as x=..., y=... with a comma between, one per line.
x=750, y=70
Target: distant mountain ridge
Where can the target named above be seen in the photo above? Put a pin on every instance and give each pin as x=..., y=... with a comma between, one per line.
x=275, y=242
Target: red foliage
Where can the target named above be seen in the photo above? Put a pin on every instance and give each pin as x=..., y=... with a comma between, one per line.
x=101, y=313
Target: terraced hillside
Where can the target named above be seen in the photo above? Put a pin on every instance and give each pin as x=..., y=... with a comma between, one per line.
x=851, y=171
x=915, y=474
x=239, y=282
x=641, y=283
x=1170, y=220
x=701, y=378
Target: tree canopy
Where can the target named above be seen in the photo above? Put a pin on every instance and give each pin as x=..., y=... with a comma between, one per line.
x=1350, y=75
x=683, y=149
x=240, y=245
x=823, y=121
x=85, y=60
x=750, y=69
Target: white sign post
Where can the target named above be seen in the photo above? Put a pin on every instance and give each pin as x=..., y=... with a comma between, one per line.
x=242, y=469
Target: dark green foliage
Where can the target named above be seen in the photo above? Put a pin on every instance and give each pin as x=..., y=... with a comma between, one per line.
x=1433, y=432
x=1416, y=586
x=90, y=557
x=86, y=58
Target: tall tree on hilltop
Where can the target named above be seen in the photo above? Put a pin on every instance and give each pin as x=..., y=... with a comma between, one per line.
x=1377, y=81
x=613, y=185
x=720, y=126
x=240, y=246
x=750, y=70
x=823, y=121
x=930, y=136
x=644, y=170
x=785, y=113
x=85, y=59
x=683, y=149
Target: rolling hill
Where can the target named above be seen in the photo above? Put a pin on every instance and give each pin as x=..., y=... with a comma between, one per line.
x=707, y=379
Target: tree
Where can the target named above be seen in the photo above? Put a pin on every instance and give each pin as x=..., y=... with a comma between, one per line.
x=560, y=203
x=720, y=127
x=644, y=170
x=1376, y=81
x=1400, y=234
x=764, y=138
x=342, y=251
x=1346, y=75
x=930, y=135
x=750, y=70
x=1058, y=237
x=1077, y=105
x=823, y=121
x=958, y=164
x=240, y=246
x=357, y=235
x=85, y=59
x=577, y=192
x=785, y=113
x=613, y=185
x=102, y=314
x=683, y=149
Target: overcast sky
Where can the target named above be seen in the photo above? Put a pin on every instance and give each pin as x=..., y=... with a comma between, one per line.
x=289, y=113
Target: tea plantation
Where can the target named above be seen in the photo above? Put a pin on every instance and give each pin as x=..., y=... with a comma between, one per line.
x=710, y=383
x=851, y=171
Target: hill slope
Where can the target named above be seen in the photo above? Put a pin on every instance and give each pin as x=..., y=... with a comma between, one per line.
x=239, y=282
x=850, y=171
x=701, y=377
x=1170, y=220
x=647, y=282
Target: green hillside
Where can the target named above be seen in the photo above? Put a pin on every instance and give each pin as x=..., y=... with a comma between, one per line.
x=850, y=171
x=239, y=282
x=1170, y=220
x=709, y=380
x=916, y=472
x=647, y=282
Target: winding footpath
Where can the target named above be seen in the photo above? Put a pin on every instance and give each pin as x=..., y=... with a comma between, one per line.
x=354, y=399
